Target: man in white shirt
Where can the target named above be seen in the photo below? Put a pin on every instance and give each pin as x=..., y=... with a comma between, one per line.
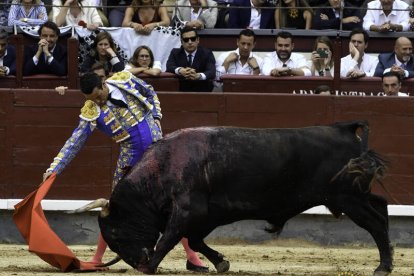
x=391, y=84
x=387, y=16
x=240, y=61
x=358, y=64
x=284, y=63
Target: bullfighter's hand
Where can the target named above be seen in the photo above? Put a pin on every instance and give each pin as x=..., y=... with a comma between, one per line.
x=46, y=175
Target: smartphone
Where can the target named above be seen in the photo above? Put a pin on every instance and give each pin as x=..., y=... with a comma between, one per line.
x=322, y=53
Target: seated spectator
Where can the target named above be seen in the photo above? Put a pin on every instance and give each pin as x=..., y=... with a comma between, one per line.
x=73, y=13
x=387, y=16
x=401, y=60
x=145, y=15
x=27, y=12
x=322, y=57
x=47, y=57
x=103, y=51
x=284, y=63
x=358, y=64
x=142, y=61
x=330, y=18
x=242, y=60
x=116, y=11
x=323, y=90
x=197, y=14
x=391, y=84
x=195, y=65
x=4, y=12
x=7, y=55
x=288, y=14
x=246, y=14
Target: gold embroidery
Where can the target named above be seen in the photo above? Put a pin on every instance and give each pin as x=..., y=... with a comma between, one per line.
x=90, y=111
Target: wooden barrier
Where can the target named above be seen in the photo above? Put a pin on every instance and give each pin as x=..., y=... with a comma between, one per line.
x=35, y=124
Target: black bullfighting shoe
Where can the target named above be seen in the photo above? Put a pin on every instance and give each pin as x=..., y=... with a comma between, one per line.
x=196, y=268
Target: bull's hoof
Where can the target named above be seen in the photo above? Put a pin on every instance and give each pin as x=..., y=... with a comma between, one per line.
x=383, y=270
x=381, y=273
x=146, y=269
x=223, y=266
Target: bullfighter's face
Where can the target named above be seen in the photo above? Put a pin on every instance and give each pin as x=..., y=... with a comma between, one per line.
x=99, y=95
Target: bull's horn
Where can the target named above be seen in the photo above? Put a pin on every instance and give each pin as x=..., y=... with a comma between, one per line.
x=111, y=262
x=101, y=202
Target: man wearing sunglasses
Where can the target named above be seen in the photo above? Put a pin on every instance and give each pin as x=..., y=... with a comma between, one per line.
x=195, y=65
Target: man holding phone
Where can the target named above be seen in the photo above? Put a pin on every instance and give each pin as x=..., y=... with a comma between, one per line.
x=284, y=63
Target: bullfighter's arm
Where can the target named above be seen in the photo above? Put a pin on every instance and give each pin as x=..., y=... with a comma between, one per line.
x=78, y=138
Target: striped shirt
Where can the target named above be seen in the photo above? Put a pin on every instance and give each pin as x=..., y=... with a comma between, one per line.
x=37, y=15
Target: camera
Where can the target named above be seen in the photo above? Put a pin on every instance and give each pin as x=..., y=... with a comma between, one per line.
x=322, y=53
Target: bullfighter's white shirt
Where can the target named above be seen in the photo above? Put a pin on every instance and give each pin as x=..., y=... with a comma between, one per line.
x=272, y=61
x=399, y=15
x=368, y=65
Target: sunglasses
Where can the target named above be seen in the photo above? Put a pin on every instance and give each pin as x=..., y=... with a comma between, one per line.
x=192, y=38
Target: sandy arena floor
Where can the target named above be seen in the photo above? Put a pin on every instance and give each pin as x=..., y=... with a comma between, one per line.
x=271, y=258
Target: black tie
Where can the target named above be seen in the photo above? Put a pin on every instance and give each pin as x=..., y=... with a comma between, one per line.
x=190, y=59
x=116, y=102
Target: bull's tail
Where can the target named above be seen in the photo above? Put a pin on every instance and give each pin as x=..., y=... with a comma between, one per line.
x=363, y=170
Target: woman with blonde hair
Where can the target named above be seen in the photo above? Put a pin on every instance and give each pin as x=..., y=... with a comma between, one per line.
x=103, y=51
x=142, y=61
x=27, y=12
x=145, y=15
x=322, y=57
x=74, y=12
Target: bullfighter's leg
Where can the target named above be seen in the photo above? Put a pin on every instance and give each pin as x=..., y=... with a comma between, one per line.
x=193, y=260
x=213, y=256
x=363, y=214
x=100, y=251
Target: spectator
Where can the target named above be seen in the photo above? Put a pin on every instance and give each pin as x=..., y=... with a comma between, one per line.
x=104, y=52
x=401, y=60
x=142, y=61
x=242, y=60
x=145, y=15
x=197, y=14
x=249, y=14
x=4, y=12
x=195, y=65
x=391, y=84
x=323, y=90
x=27, y=12
x=358, y=64
x=387, y=16
x=322, y=57
x=74, y=13
x=293, y=14
x=47, y=57
x=7, y=55
x=116, y=11
x=282, y=62
x=331, y=18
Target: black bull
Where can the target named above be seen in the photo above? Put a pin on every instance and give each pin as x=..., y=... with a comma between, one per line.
x=196, y=179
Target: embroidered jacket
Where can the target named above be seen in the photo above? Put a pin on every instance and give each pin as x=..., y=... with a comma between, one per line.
x=116, y=122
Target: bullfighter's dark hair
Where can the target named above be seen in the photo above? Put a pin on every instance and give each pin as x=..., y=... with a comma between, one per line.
x=50, y=25
x=248, y=32
x=392, y=74
x=187, y=30
x=322, y=88
x=89, y=81
x=4, y=34
x=360, y=31
x=285, y=35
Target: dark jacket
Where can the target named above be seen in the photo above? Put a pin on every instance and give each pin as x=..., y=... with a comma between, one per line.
x=239, y=18
x=333, y=22
x=203, y=62
x=387, y=60
x=10, y=60
x=58, y=66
